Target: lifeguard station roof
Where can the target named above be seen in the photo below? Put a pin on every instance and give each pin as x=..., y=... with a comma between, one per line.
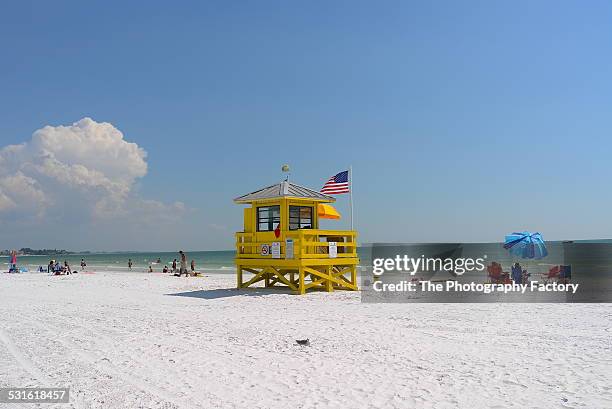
x=284, y=189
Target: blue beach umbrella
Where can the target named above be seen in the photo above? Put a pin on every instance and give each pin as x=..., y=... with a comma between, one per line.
x=526, y=245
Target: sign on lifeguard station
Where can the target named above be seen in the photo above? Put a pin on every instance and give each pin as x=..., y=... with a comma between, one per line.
x=281, y=244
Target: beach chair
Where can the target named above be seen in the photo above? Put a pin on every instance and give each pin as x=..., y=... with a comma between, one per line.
x=565, y=274
x=495, y=273
x=553, y=274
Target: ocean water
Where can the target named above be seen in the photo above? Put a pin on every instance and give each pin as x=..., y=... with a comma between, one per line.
x=205, y=260
x=596, y=254
x=212, y=261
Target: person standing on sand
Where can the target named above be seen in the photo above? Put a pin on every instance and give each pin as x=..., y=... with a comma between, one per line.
x=174, y=267
x=83, y=264
x=183, y=263
x=130, y=264
x=193, y=267
x=517, y=273
x=13, y=265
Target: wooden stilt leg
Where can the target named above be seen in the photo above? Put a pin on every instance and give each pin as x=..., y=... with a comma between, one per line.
x=301, y=289
x=239, y=277
x=328, y=283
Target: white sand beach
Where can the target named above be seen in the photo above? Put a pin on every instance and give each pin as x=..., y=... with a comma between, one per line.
x=133, y=340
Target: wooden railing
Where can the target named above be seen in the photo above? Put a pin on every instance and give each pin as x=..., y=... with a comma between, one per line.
x=307, y=243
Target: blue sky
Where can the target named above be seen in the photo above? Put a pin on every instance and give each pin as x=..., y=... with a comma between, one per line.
x=462, y=120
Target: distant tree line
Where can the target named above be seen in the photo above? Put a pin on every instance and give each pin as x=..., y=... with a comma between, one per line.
x=26, y=251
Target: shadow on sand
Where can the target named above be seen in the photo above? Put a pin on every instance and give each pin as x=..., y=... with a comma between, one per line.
x=232, y=292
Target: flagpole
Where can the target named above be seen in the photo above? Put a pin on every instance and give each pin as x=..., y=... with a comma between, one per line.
x=350, y=178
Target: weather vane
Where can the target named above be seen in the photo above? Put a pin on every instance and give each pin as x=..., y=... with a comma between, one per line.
x=286, y=170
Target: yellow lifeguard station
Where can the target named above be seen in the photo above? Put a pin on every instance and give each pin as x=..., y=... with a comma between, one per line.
x=282, y=245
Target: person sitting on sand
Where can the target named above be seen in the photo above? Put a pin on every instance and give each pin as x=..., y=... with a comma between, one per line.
x=165, y=270
x=525, y=276
x=150, y=268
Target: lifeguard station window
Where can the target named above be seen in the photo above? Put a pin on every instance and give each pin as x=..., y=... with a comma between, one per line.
x=300, y=217
x=268, y=217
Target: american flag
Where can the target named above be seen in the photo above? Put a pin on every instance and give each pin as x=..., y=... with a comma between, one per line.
x=337, y=184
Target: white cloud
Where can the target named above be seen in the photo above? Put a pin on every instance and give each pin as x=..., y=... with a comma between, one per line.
x=85, y=171
x=22, y=194
x=6, y=203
